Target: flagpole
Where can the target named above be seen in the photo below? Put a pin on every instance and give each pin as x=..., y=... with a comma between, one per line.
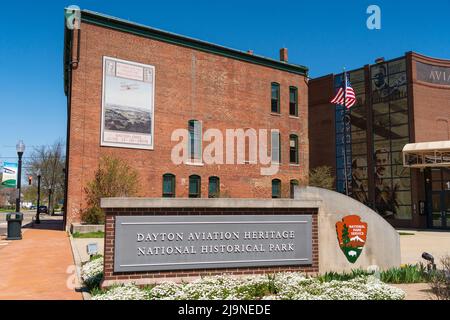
x=345, y=131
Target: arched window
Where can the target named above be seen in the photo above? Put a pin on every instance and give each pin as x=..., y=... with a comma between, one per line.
x=214, y=187
x=276, y=146
x=276, y=188
x=293, y=184
x=168, y=186
x=293, y=149
x=194, y=186
x=195, y=140
x=275, y=101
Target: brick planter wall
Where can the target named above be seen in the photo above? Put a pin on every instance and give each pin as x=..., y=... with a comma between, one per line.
x=111, y=277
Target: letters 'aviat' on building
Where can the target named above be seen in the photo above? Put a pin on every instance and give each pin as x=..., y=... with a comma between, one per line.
x=398, y=141
x=132, y=90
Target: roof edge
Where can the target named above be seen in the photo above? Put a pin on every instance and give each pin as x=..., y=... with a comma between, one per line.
x=428, y=59
x=107, y=21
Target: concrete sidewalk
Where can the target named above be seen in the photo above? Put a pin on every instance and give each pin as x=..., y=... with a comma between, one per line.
x=416, y=291
x=40, y=266
x=416, y=242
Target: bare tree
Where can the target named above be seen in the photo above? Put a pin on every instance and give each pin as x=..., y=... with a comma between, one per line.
x=7, y=197
x=113, y=178
x=321, y=177
x=50, y=161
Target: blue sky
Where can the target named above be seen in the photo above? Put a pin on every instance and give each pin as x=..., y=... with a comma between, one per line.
x=323, y=35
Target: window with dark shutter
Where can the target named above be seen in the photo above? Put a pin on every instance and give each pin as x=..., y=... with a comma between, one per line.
x=194, y=186
x=293, y=101
x=168, y=185
x=276, y=188
x=293, y=149
x=214, y=187
x=275, y=101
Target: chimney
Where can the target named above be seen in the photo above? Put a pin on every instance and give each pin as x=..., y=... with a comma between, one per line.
x=284, y=54
x=250, y=51
x=379, y=60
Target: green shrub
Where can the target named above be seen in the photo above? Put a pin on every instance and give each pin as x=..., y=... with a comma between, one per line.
x=93, y=215
x=440, y=280
x=96, y=290
x=321, y=177
x=113, y=178
x=96, y=234
x=344, y=276
x=255, y=289
x=405, y=274
x=95, y=257
x=94, y=282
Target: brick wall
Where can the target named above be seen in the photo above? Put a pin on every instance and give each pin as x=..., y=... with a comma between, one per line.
x=322, y=123
x=431, y=104
x=221, y=92
x=111, y=213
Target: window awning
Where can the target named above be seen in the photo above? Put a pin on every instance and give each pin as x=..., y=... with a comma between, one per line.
x=427, y=154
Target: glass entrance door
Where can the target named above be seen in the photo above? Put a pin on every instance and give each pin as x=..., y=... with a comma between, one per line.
x=440, y=213
x=446, y=209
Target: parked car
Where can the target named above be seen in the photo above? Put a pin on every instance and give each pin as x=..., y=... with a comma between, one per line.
x=33, y=207
x=43, y=209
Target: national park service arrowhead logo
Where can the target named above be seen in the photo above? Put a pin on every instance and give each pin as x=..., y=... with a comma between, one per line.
x=352, y=234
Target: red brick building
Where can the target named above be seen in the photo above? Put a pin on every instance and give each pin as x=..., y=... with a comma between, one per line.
x=118, y=73
x=403, y=105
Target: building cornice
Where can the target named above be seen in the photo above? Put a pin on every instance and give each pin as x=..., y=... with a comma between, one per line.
x=121, y=25
x=429, y=60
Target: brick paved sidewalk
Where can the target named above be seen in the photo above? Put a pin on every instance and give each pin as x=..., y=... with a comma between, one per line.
x=40, y=266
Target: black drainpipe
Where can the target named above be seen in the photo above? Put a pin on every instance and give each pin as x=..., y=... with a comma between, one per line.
x=73, y=64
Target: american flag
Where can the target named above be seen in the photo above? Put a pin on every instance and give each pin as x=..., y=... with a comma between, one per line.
x=350, y=98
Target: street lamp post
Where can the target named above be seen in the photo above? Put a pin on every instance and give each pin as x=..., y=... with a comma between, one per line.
x=20, y=148
x=49, y=201
x=38, y=196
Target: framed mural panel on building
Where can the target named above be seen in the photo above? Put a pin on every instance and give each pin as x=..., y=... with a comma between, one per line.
x=127, y=104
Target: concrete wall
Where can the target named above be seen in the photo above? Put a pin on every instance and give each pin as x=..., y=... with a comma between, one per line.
x=200, y=207
x=382, y=244
x=86, y=228
x=383, y=241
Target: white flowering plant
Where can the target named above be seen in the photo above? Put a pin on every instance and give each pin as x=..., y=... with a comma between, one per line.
x=92, y=272
x=125, y=292
x=361, y=288
x=282, y=286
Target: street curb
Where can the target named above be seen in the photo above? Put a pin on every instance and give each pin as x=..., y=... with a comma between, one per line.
x=77, y=259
